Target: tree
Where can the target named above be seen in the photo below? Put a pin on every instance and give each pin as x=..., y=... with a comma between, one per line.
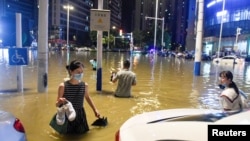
x=137, y=35
x=93, y=37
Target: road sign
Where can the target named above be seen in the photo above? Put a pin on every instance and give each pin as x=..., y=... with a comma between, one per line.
x=18, y=56
x=100, y=20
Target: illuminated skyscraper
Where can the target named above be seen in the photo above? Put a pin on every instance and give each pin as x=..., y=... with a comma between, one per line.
x=233, y=24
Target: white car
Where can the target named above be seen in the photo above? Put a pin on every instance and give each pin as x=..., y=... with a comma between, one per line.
x=176, y=125
x=228, y=60
x=11, y=128
x=84, y=49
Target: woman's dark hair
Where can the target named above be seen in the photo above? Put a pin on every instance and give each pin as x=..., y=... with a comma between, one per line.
x=229, y=75
x=75, y=64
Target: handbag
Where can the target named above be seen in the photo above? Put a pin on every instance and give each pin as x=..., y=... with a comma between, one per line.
x=100, y=122
x=61, y=129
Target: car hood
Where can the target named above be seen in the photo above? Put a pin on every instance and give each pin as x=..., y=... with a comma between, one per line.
x=167, y=131
x=154, y=126
x=241, y=118
x=163, y=115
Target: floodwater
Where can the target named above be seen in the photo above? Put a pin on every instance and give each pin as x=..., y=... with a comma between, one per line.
x=162, y=83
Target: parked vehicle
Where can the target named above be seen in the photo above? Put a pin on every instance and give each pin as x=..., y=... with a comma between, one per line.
x=11, y=128
x=228, y=60
x=176, y=124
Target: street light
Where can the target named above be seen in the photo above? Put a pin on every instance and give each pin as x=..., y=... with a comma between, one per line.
x=221, y=27
x=68, y=7
x=125, y=35
x=162, y=29
x=236, y=38
x=113, y=27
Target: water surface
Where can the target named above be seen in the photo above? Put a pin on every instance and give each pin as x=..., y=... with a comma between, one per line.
x=162, y=83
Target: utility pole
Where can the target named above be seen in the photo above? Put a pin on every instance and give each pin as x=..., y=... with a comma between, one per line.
x=162, y=29
x=198, y=45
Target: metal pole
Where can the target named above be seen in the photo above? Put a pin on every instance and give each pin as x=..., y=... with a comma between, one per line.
x=19, y=45
x=156, y=14
x=221, y=28
x=68, y=35
x=162, y=19
x=162, y=34
x=67, y=27
x=198, y=44
x=236, y=39
x=108, y=40
x=43, y=46
x=68, y=7
x=131, y=42
x=99, y=54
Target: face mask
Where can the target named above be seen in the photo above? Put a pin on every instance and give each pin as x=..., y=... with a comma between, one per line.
x=222, y=86
x=78, y=76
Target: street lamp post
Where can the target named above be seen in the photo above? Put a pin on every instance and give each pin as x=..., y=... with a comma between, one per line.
x=68, y=7
x=108, y=39
x=156, y=14
x=221, y=27
x=236, y=38
x=130, y=37
x=162, y=30
x=113, y=27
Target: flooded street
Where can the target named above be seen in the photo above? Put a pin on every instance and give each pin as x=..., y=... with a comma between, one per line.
x=162, y=83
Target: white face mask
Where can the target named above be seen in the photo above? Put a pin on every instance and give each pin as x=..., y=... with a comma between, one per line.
x=78, y=76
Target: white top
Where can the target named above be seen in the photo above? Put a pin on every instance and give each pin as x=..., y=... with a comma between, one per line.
x=231, y=100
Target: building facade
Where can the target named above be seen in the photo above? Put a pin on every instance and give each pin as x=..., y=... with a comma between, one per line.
x=8, y=9
x=79, y=22
x=228, y=30
x=191, y=28
x=79, y=19
x=174, y=13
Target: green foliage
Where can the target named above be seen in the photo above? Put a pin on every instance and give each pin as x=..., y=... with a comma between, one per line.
x=145, y=38
x=93, y=36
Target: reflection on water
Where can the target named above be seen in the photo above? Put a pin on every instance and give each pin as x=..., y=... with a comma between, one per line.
x=163, y=83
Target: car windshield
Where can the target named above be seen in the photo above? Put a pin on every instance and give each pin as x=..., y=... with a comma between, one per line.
x=210, y=117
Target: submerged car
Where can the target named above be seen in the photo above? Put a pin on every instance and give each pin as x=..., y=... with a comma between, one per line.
x=228, y=60
x=11, y=128
x=176, y=124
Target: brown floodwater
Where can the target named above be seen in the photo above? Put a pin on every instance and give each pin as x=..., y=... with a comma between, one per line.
x=162, y=83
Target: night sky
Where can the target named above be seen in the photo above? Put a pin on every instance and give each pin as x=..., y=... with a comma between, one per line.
x=127, y=9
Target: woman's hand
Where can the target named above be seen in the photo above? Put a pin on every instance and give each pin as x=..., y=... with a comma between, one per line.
x=97, y=114
x=60, y=101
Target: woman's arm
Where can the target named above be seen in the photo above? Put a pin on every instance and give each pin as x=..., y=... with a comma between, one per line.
x=90, y=102
x=226, y=103
x=60, y=100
